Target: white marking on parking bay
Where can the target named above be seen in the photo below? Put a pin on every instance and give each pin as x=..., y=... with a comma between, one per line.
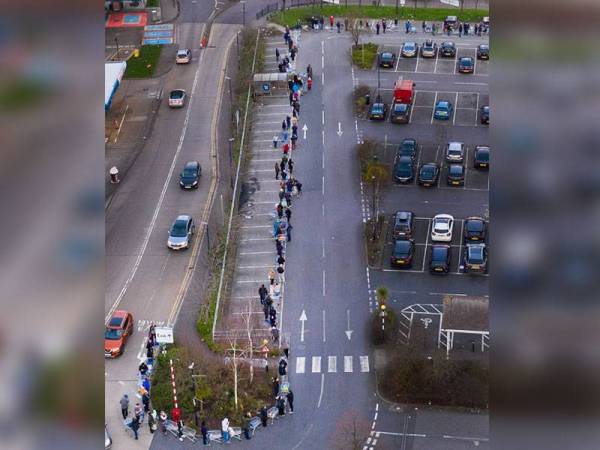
x=300, y=364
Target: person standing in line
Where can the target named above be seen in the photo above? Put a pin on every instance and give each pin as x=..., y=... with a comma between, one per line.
x=383, y=25
x=290, y=166
x=266, y=309
x=286, y=351
x=152, y=422
x=275, y=383
x=275, y=333
x=135, y=426
x=280, y=260
x=262, y=293
x=289, y=233
x=146, y=402
x=162, y=417
x=284, y=174
x=280, y=406
x=225, y=430
x=264, y=416
x=124, y=405
x=246, y=426
x=282, y=165
x=276, y=54
x=272, y=276
x=288, y=199
x=204, y=431
x=460, y=30
x=276, y=171
x=289, y=184
x=288, y=215
x=283, y=125
x=377, y=27
x=290, y=400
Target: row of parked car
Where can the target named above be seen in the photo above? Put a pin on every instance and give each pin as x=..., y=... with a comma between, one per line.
x=428, y=172
x=430, y=49
x=474, y=255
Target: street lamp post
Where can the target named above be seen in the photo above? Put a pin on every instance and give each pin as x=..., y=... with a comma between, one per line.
x=191, y=367
x=231, y=160
x=243, y=12
x=373, y=203
x=378, y=77
x=207, y=238
x=237, y=43
x=117, y=44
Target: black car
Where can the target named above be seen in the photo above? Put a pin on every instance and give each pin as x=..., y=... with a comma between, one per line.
x=428, y=174
x=456, y=175
x=447, y=49
x=404, y=222
x=451, y=21
x=404, y=170
x=484, y=115
x=466, y=65
x=439, y=260
x=474, y=229
x=190, y=175
x=483, y=51
x=402, y=254
x=475, y=258
x=481, y=157
x=387, y=60
x=400, y=113
x=408, y=147
x=378, y=111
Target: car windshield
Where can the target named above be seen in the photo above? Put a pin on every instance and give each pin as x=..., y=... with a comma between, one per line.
x=427, y=171
x=386, y=56
x=402, y=247
x=400, y=108
x=483, y=156
x=476, y=255
x=113, y=334
x=409, y=46
x=466, y=62
x=438, y=254
x=378, y=108
x=176, y=94
x=179, y=229
x=182, y=53
x=475, y=225
x=189, y=172
x=442, y=106
x=115, y=322
x=456, y=170
x=405, y=168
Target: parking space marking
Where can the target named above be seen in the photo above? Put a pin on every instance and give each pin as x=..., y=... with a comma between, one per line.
x=443, y=294
x=456, y=103
x=465, y=164
x=403, y=270
x=426, y=242
x=477, y=110
x=434, y=102
x=397, y=60
x=435, y=65
x=417, y=66
x=455, y=62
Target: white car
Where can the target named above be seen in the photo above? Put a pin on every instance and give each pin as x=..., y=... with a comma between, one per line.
x=180, y=234
x=177, y=98
x=455, y=152
x=184, y=56
x=441, y=228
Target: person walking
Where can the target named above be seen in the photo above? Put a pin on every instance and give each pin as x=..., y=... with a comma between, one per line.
x=281, y=260
x=290, y=400
x=331, y=21
x=146, y=402
x=290, y=166
x=286, y=352
x=338, y=25
x=423, y=26
x=225, y=430
x=283, y=125
x=289, y=184
x=383, y=25
x=135, y=426
x=288, y=120
x=289, y=233
x=288, y=199
x=377, y=27
x=262, y=293
x=299, y=187
x=124, y=405
x=246, y=426
x=272, y=322
x=276, y=54
x=406, y=26
x=137, y=410
x=460, y=29
x=264, y=415
x=271, y=276
x=143, y=369
x=433, y=29
x=162, y=417
x=276, y=171
x=152, y=422
x=288, y=214
x=204, y=431
x=280, y=406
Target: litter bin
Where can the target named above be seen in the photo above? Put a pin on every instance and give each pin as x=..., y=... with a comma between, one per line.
x=114, y=175
x=367, y=99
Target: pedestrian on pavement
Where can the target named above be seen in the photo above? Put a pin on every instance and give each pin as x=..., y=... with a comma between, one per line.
x=124, y=405
x=294, y=139
x=137, y=410
x=296, y=106
x=284, y=174
x=406, y=26
x=338, y=25
x=423, y=26
x=146, y=384
x=150, y=354
x=264, y=415
x=143, y=369
x=289, y=233
x=280, y=406
x=288, y=214
x=279, y=246
x=275, y=383
x=433, y=29
x=290, y=400
x=309, y=71
x=283, y=125
x=276, y=54
x=290, y=166
x=135, y=426
x=466, y=28
x=281, y=194
x=272, y=322
x=246, y=426
x=282, y=367
x=262, y=292
x=275, y=139
x=448, y=31
x=276, y=171
x=288, y=121
x=204, y=431
x=331, y=21
x=292, y=55
x=272, y=276
x=460, y=30
x=152, y=422
x=288, y=199
x=162, y=417
x=280, y=269
x=377, y=27
x=280, y=260
x=180, y=430
x=383, y=25
x=146, y=402
x=286, y=351
x=290, y=45
x=266, y=309
x=282, y=165
x=289, y=184
x=225, y=429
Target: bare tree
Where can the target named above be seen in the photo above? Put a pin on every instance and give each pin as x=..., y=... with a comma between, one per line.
x=247, y=318
x=236, y=354
x=356, y=31
x=352, y=429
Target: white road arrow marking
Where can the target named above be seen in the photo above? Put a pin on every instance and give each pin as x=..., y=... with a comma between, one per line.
x=305, y=129
x=348, y=330
x=339, y=132
x=302, y=320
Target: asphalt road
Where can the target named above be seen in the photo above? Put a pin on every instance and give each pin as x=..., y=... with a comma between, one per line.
x=142, y=275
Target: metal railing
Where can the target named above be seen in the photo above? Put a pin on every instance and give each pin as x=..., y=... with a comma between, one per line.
x=267, y=10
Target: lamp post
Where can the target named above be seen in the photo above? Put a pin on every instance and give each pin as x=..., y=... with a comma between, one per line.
x=378, y=77
x=117, y=44
x=237, y=43
x=231, y=161
x=373, y=178
x=243, y=2
x=191, y=367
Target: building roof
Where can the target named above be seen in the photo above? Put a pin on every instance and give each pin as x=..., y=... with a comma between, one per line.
x=113, y=72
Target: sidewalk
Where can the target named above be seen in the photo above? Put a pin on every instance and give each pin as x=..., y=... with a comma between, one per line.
x=169, y=10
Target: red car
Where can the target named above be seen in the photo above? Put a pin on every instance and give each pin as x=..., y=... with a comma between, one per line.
x=118, y=330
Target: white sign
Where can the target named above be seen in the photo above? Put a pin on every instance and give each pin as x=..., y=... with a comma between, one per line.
x=164, y=335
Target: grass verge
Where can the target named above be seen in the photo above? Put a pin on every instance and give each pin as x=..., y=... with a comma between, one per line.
x=303, y=14
x=152, y=3
x=363, y=55
x=144, y=65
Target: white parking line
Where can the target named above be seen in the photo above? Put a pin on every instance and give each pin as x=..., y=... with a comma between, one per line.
x=364, y=363
x=300, y=364
x=426, y=242
x=455, y=108
x=397, y=59
x=332, y=364
x=417, y=66
x=434, y=102
x=347, y=363
x=316, y=364
x=436, y=61
x=465, y=164
x=477, y=110
x=455, y=62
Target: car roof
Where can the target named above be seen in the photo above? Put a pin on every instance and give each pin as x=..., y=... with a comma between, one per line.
x=429, y=164
x=192, y=164
x=443, y=216
x=456, y=168
x=387, y=54
x=403, y=215
x=183, y=51
x=440, y=247
x=405, y=159
x=443, y=103
x=402, y=243
x=183, y=217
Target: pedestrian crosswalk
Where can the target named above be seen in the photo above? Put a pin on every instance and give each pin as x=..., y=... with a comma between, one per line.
x=332, y=364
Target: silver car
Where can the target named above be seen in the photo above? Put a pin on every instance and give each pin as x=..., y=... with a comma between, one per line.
x=184, y=56
x=409, y=50
x=455, y=152
x=180, y=234
x=177, y=98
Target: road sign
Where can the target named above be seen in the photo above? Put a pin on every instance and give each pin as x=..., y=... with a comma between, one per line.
x=164, y=335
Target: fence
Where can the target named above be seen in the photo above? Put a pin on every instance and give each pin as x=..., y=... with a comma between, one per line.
x=268, y=9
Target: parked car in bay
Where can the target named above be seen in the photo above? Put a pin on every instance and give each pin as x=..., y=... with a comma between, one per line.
x=483, y=51
x=475, y=258
x=428, y=174
x=456, y=175
x=402, y=253
x=466, y=65
x=408, y=147
x=455, y=152
x=400, y=113
x=484, y=115
x=378, y=111
x=481, y=157
x=409, y=49
x=404, y=170
x=428, y=49
x=439, y=259
x=180, y=233
x=387, y=60
x=447, y=49
x=442, y=226
x=443, y=110
x=190, y=175
x=404, y=223
x=474, y=229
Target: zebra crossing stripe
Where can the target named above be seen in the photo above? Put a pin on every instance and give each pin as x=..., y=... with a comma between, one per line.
x=316, y=364
x=347, y=363
x=300, y=362
x=364, y=363
x=332, y=363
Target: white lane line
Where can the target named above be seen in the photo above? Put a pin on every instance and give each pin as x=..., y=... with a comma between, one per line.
x=160, y=199
x=426, y=242
x=322, y=61
x=300, y=364
x=469, y=83
x=323, y=78
x=324, y=334
x=323, y=163
x=323, y=209
x=323, y=138
x=436, y=61
x=455, y=108
x=323, y=283
x=323, y=246
x=332, y=364
x=347, y=363
x=364, y=367
x=377, y=409
x=316, y=364
x=323, y=186
x=402, y=434
x=434, y=102
x=322, y=117
x=322, y=387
